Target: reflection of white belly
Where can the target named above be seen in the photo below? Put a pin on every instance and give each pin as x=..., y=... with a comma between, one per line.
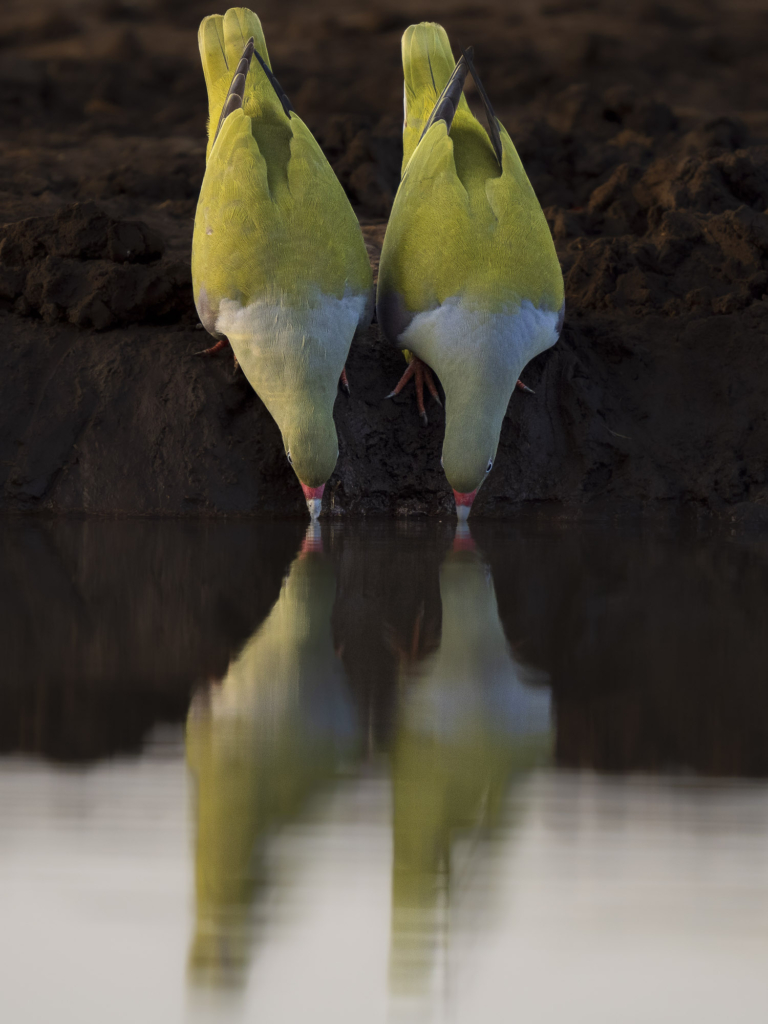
x=497, y=703
x=456, y=332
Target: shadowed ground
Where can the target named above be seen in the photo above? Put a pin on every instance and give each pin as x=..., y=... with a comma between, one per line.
x=643, y=127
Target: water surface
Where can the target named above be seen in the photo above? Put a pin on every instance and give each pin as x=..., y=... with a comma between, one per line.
x=382, y=772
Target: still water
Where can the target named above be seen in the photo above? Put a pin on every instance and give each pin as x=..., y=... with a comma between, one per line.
x=379, y=773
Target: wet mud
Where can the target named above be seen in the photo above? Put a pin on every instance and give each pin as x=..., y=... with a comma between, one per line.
x=644, y=130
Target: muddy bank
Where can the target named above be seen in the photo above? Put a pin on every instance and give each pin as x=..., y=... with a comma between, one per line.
x=644, y=129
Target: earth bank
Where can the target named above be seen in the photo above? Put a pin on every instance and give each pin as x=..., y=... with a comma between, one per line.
x=644, y=129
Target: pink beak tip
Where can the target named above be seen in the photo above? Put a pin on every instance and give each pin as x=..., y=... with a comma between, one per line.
x=464, y=499
x=464, y=504
x=313, y=492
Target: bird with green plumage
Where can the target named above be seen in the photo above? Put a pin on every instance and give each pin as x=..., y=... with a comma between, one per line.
x=279, y=266
x=470, y=286
x=261, y=742
x=472, y=720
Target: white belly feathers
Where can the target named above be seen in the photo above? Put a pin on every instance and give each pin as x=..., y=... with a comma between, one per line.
x=455, y=333
x=319, y=333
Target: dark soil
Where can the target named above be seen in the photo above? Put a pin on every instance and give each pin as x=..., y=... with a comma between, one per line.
x=644, y=129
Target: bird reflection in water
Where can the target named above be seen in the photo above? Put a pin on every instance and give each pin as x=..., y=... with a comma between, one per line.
x=463, y=718
x=471, y=719
x=260, y=742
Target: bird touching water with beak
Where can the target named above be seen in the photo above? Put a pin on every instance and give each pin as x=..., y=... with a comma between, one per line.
x=470, y=286
x=279, y=265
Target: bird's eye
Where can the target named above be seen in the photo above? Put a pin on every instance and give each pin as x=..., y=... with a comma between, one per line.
x=290, y=460
x=489, y=467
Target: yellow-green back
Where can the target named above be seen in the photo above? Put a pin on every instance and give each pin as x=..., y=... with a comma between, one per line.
x=461, y=225
x=272, y=220
x=279, y=265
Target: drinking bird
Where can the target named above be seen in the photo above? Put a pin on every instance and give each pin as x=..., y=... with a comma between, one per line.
x=470, y=286
x=279, y=265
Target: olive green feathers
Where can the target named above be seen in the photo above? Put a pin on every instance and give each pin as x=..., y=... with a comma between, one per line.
x=279, y=266
x=461, y=224
x=272, y=215
x=469, y=280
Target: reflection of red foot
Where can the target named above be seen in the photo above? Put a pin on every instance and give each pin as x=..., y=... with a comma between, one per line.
x=422, y=375
x=343, y=380
x=409, y=653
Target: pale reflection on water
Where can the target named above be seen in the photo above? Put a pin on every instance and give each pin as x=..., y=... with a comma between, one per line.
x=368, y=814
x=595, y=901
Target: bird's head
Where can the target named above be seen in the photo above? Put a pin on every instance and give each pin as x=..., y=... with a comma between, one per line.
x=298, y=387
x=469, y=451
x=475, y=410
x=478, y=379
x=312, y=448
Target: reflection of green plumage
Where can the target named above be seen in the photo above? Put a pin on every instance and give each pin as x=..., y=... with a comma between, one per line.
x=469, y=724
x=259, y=744
x=279, y=266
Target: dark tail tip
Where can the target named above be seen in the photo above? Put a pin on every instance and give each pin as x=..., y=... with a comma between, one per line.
x=280, y=92
x=493, y=128
x=236, y=93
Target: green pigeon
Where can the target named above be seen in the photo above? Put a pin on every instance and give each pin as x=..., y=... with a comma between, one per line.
x=473, y=718
x=261, y=742
x=279, y=265
x=470, y=286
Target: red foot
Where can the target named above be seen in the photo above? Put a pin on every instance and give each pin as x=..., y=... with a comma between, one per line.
x=525, y=388
x=409, y=653
x=422, y=375
x=223, y=343
x=343, y=380
x=214, y=348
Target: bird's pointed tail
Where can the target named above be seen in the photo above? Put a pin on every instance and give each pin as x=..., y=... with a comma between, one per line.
x=222, y=40
x=428, y=64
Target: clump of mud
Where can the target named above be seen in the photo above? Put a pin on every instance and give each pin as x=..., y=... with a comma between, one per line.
x=644, y=132
x=676, y=222
x=366, y=157
x=90, y=269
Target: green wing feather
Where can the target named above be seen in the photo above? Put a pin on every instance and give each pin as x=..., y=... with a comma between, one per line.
x=222, y=39
x=272, y=220
x=460, y=224
x=480, y=235
x=427, y=66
